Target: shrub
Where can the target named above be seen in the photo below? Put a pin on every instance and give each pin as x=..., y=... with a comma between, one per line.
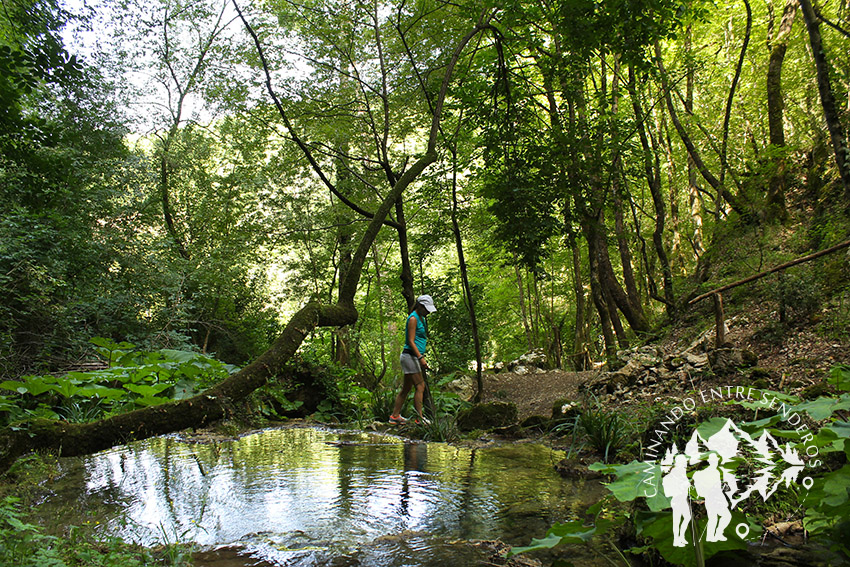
x=442, y=429
x=799, y=298
x=606, y=430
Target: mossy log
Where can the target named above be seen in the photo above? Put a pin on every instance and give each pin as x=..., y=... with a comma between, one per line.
x=71, y=439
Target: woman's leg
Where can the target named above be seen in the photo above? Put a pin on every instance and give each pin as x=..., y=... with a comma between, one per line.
x=419, y=394
x=405, y=390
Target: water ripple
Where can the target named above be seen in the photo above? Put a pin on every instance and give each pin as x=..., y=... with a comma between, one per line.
x=313, y=497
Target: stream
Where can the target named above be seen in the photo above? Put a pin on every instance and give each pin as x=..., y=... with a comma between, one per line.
x=310, y=496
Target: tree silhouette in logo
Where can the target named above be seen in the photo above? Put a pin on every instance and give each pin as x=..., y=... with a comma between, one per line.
x=713, y=463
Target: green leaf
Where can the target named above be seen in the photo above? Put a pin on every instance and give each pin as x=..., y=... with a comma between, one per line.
x=840, y=376
x=569, y=532
x=179, y=355
x=635, y=480
x=147, y=390
x=824, y=407
x=18, y=387
x=33, y=385
x=98, y=391
x=65, y=387
x=659, y=527
x=184, y=389
x=835, y=487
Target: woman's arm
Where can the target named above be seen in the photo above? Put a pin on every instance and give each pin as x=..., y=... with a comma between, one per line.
x=411, y=340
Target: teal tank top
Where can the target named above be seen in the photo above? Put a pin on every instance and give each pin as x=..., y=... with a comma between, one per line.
x=421, y=338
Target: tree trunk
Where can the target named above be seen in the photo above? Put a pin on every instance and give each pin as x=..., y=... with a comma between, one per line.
x=724, y=165
x=612, y=289
x=70, y=439
x=830, y=111
x=715, y=183
x=381, y=316
x=580, y=357
x=406, y=275
x=617, y=194
x=581, y=341
x=694, y=198
x=601, y=306
x=342, y=354
x=164, y=194
x=654, y=182
x=778, y=44
x=522, y=306
x=76, y=439
x=467, y=288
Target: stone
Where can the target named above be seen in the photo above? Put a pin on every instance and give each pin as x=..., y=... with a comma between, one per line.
x=749, y=357
x=815, y=391
x=535, y=358
x=565, y=410
x=536, y=423
x=759, y=372
x=575, y=468
x=647, y=357
x=529, y=362
x=728, y=360
x=487, y=416
x=696, y=360
x=463, y=386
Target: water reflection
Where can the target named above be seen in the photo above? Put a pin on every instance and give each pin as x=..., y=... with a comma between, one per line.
x=294, y=496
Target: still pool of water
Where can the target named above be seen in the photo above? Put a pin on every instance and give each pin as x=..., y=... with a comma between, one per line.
x=307, y=496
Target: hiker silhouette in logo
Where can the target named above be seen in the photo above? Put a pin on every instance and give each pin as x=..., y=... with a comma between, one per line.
x=676, y=487
x=709, y=484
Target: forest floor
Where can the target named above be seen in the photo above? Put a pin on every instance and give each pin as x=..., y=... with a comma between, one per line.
x=791, y=358
x=534, y=394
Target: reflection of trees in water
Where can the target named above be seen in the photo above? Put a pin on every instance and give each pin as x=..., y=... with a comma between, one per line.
x=345, y=488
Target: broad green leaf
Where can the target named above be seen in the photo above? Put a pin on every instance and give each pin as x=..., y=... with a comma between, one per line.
x=98, y=391
x=147, y=390
x=33, y=385
x=659, y=527
x=753, y=427
x=179, y=355
x=79, y=377
x=635, y=480
x=569, y=532
x=708, y=428
x=765, y=399
x=840, y=376
x=824, y=407
x=66, y=388
x=184, y=389
x=835, y=487
x=14, y=386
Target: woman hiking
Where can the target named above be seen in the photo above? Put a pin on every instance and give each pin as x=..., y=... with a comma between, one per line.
x=413, y=358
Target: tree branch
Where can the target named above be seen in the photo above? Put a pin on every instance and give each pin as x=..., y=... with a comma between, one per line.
x=290, y=128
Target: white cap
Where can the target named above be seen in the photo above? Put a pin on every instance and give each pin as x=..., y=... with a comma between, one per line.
x=426, y=302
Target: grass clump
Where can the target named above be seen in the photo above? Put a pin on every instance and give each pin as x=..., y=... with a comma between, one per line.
x=605, y=430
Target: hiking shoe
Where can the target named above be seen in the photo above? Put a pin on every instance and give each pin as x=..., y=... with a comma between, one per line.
x=397, y=419
x=423, y=421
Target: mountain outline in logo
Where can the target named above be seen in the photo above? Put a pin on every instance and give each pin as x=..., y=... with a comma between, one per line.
x=713, y=463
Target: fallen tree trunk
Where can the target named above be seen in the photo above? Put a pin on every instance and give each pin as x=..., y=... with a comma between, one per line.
x=71, y=439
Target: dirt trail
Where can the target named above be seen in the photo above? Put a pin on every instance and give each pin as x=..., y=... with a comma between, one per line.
x=533, y=394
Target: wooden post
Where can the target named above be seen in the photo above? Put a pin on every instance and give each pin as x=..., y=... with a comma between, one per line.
x=719, y=322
